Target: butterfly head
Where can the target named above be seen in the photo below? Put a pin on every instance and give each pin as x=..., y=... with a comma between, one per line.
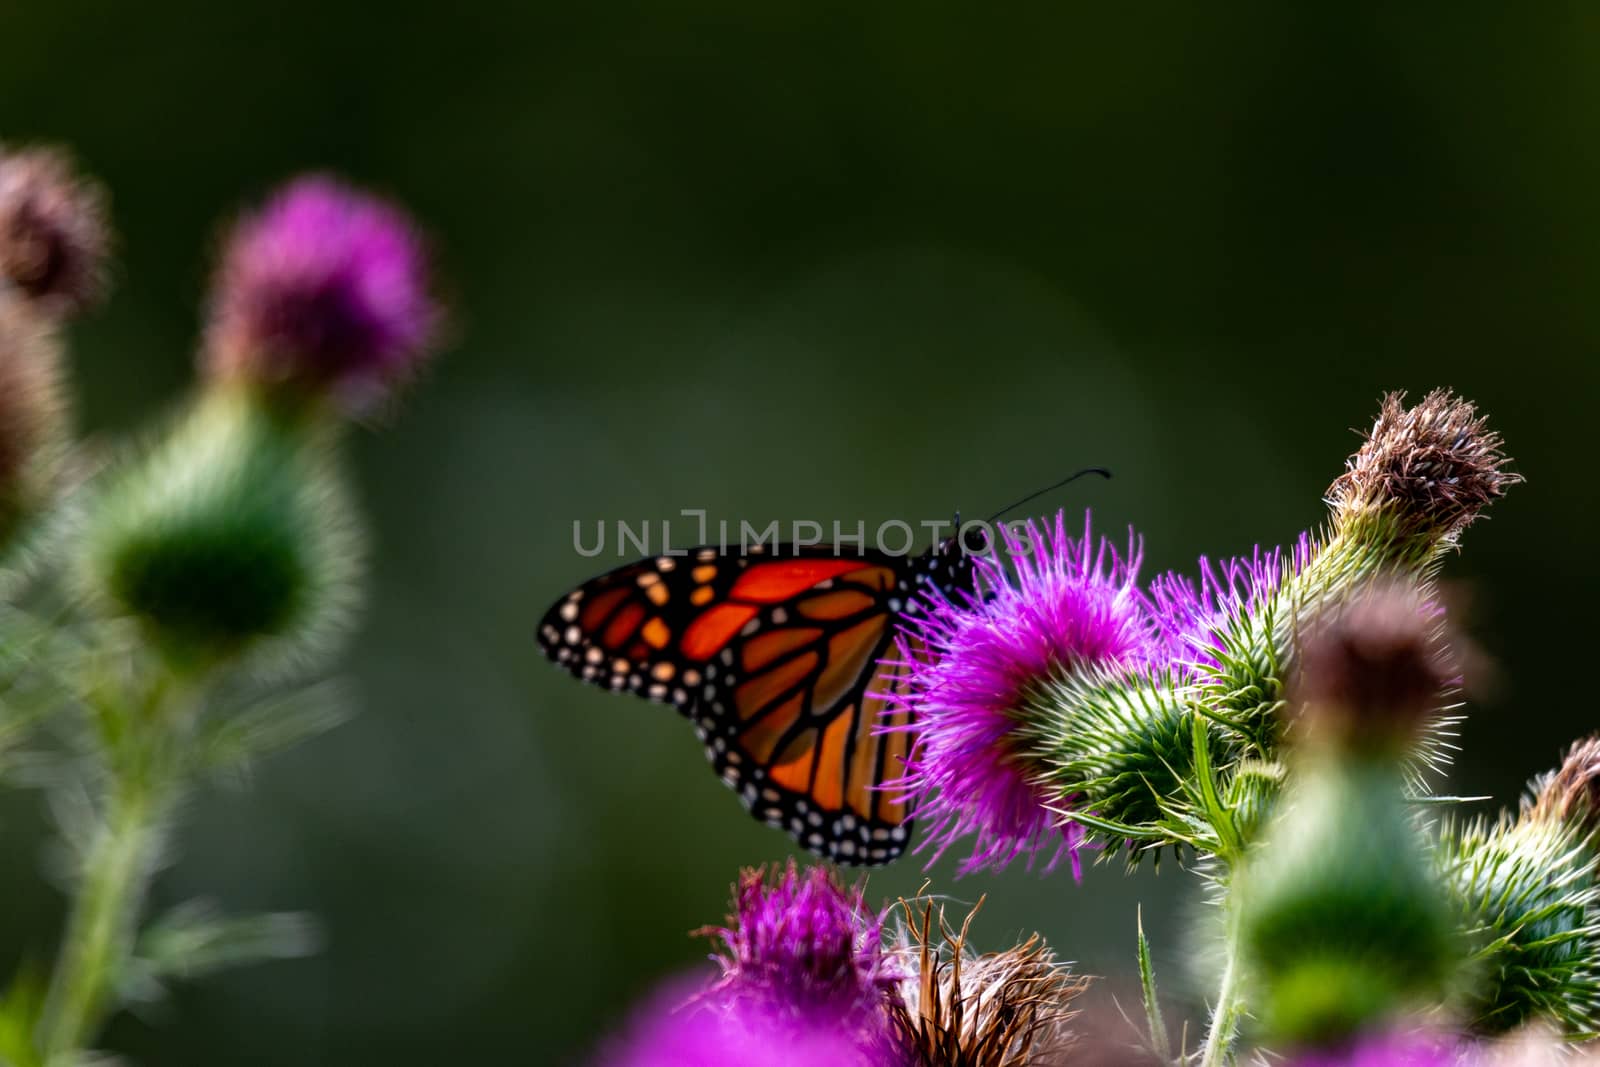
x=949, y=562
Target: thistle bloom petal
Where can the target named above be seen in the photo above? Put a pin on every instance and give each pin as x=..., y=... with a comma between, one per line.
x=324, y=286
x=1191, y=615
x=1413, y=1048
x=677, y=1029
x=804, y=942
x=1067, y=604
x=803, y=985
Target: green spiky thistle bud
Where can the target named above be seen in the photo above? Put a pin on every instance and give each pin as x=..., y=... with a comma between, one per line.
x=1341, y=919
x=231, y=535
x=1525, y=891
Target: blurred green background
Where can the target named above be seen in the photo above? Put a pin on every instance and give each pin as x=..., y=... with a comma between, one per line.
x=807, y=261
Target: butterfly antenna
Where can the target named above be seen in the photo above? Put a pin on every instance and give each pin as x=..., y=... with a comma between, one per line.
x=1101, y=471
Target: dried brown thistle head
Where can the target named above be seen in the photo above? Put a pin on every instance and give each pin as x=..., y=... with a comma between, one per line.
x=957, y=1008
x=1571, y=793
x=53, y=232
x=1430, y=469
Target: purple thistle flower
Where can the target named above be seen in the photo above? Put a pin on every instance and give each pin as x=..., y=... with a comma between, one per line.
x=1067, y=604
x=803, y=943
x=1403, y=1048
x=675, y=1028
x=803, y=985
x=325, y=286
x=1189, y=615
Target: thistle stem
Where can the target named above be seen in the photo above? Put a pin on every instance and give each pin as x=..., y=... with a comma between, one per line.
x=104, y=918
x=142, y=781
x=1225, y=1016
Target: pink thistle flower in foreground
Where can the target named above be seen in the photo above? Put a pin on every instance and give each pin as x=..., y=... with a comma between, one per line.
x=803, y=985
x=1065, y=605
x=324, y=287
x=804, y=949
x=803, y=945
x=1407, y=1048
x=676, y=1029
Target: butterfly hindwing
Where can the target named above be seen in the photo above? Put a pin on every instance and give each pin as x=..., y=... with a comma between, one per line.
x=775, y=657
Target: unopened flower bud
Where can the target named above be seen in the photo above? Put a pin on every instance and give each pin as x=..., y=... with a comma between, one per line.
x=1426, y=471
x=1342, y=922
x=53, y=233
x=1523, y=889
x=231, y=534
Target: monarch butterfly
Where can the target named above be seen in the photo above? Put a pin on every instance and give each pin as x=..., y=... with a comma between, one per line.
x=776, y=657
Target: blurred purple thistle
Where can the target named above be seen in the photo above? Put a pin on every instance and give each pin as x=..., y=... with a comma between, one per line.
x=675, y=1028
x=1403, y=1048
x=324, y=286
x=1066, y=604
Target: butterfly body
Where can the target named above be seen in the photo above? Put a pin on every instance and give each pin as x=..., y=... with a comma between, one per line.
x=780, y=657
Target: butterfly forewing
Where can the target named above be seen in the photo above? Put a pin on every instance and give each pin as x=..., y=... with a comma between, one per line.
x=775, y=657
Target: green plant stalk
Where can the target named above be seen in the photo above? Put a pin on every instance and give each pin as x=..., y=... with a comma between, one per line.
x=138, y=743
x=1224, y=1026
x=105, y=916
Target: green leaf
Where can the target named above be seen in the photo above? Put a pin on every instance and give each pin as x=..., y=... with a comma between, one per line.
x=20, y=1009
x=193, y=940
x=1159, y=1041
x=1230, y=847
x=232, y=744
